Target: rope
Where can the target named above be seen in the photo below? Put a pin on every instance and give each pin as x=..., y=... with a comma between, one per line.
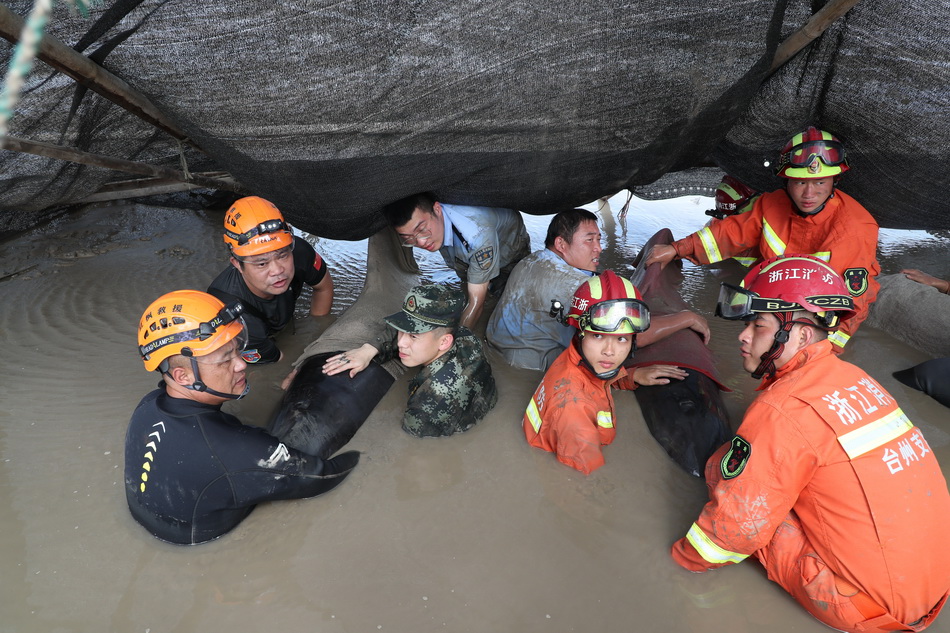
x=25, y=53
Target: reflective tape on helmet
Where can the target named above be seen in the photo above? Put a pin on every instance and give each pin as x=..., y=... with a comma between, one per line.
x=875, y=434
x=709, y=245
x=839, y=338
x=772, y=239
x=711, y=552
x=605, y=420
x=534, y=416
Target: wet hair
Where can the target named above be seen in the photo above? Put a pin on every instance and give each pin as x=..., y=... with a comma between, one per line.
x=399, y=213
x=565, y=224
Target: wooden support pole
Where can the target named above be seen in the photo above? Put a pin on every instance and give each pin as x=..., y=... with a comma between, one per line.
x=91, y=75
x=97, y=160
x=808, y=33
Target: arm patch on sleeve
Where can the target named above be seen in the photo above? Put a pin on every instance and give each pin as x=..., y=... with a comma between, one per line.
x=484, y=257
x=857, y=280
x=735, y=459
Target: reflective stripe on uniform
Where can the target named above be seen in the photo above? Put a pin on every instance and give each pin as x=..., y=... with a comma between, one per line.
x=824, y=256
x=772, y=239
x=605, y=420
x=876, y=434
x=839, y=338
x=711, y=552
x=709, y=245
x=746, y=261
x=534, y=416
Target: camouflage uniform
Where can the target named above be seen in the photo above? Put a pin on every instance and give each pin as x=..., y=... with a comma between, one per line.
x=454, y=391
x=450, y=394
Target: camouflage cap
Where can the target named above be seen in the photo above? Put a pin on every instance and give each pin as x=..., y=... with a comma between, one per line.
x=427, y=307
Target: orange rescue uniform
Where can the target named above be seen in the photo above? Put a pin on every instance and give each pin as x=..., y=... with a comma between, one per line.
x=843, y=234
x=835, y=491
x=571, y=413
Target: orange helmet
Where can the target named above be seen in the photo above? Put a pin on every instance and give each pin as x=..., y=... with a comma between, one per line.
x=608, y=304
x=253, y=226
x=812, y=154
x=187, y=322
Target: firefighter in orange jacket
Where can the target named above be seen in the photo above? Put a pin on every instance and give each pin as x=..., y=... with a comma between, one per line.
x=826, y=482
x=572, y=411
x=808, y=216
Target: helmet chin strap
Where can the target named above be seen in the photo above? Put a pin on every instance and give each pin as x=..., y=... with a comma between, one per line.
x=198, y=385
x=605, y=375
x=767, y=363
x=816, y=211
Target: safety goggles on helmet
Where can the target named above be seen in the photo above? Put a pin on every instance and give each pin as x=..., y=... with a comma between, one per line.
x=270, y=226
x=737, y=303
x=228, y=314
x=831, y=153
x=617, y=316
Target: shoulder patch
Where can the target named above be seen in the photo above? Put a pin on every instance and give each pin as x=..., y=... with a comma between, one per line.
x=735, y=459
x=857, y=280
x=485, y=257
x=251, y=356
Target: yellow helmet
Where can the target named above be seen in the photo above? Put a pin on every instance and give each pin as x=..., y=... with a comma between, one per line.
x=812, y=154
x=253, y=226
x=190, y=322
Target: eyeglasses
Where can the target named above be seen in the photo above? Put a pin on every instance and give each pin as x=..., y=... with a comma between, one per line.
x=271, y=226
x=423, y=233
x=737, y=303
x=831, y=154
x=612, y=316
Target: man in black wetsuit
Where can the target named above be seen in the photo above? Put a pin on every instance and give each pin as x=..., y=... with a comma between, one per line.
x=269, y=266
x=193, y=472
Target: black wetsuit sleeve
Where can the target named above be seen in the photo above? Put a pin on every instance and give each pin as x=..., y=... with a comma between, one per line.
x=261, y=468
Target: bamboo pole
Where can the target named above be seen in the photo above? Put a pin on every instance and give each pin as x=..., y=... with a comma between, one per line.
x=91, y=75
x=97, y=160
x=808, y=33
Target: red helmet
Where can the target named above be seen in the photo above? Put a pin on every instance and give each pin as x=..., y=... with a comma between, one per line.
x=253, y=226
x=733, y=197
x=608, y=304
x=812, y=154
x=788, y=283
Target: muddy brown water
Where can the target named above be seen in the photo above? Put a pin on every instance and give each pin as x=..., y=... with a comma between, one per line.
x=477, y=532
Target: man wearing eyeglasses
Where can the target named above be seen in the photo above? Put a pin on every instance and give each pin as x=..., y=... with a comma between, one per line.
x=269, y=266
x=808, y=216
x=482, y=244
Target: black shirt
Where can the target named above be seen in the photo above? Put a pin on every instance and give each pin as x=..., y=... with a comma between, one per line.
x=266, y=317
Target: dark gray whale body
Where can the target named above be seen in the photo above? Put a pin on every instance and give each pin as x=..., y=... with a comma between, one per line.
x=687, y=417
x=319, y=414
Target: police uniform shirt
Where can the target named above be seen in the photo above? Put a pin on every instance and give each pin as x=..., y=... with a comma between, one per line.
x=480, y=241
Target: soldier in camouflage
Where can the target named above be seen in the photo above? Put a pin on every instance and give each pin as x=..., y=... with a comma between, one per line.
x=454, y=388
